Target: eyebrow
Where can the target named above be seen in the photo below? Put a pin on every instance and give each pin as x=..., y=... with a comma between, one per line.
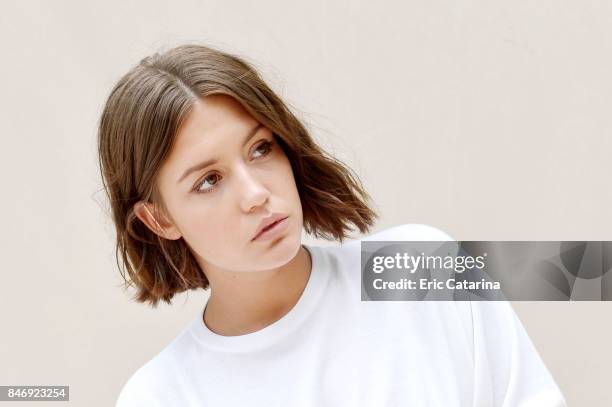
x=206, y=163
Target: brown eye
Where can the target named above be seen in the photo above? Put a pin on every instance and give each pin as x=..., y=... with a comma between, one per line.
x=211, y=179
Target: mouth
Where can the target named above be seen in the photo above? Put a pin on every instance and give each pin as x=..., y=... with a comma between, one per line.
x=272, y=229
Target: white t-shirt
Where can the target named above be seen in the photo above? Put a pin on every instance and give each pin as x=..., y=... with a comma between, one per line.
x=332, y=349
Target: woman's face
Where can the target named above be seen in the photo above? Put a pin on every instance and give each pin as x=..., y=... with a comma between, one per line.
x=218, y=206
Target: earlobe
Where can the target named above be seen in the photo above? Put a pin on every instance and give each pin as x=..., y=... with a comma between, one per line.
x=146, y=216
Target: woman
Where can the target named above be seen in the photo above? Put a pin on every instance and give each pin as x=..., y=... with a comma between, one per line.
x=211, y=181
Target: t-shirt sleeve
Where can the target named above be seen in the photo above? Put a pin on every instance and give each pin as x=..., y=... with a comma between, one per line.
x=140, y=391
x=129, y=398
x=509, y=372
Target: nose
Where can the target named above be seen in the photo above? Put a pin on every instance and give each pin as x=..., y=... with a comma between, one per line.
x=252, y=193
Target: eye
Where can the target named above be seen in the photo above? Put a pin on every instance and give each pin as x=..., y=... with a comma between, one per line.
x=213, y=178
x=267, y=147
x=205, y=180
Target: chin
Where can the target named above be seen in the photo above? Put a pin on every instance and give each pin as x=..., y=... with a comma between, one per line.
x=285, y=249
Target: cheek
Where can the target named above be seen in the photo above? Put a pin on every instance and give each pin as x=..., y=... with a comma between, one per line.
x=288, y=190
x=208, y=230
x=285, y=178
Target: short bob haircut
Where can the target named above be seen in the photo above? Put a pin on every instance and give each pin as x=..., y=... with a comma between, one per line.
x=137, y=127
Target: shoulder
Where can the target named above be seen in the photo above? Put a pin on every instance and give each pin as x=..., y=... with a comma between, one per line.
x=351, y=249
x=155, y=384
x=141, y=387
x=402, y=232
x=347, y=256
x=411, y=231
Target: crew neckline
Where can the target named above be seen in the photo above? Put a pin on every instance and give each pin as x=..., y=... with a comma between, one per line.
x=279, y=328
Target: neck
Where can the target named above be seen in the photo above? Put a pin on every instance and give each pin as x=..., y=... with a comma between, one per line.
x=242, y=303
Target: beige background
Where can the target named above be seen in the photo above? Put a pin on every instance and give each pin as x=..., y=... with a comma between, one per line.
x=490, y=120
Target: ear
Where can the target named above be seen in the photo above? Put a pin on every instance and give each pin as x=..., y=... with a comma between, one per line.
x=156, y=221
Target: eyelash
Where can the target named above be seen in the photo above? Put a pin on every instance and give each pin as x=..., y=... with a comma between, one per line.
x=269, y=145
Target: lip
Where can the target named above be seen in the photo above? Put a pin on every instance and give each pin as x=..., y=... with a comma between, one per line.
x=265, y=222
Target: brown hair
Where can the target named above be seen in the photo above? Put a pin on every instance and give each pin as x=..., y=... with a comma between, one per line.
x=140, y=120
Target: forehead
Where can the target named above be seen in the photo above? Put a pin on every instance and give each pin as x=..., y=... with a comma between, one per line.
x=212, y=117
x=213, y=121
